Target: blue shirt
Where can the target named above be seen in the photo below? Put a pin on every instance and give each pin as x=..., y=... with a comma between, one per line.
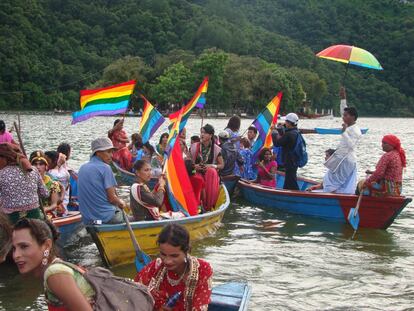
x=94, y=178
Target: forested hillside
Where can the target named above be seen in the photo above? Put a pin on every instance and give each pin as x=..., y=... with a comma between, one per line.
x=51, y=49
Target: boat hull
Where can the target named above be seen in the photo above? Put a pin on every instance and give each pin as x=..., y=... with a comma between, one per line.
x=230, y=182
x=231, y=296
x=68, y=227
x=114, y=242
x=378, y=213
x=334, y=131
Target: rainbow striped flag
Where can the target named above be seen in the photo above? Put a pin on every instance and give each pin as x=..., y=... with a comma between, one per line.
x=105, y=101
x=174, y=131
x=151, y=120
x=198, y=100
x=264, y=121
x=181, y=193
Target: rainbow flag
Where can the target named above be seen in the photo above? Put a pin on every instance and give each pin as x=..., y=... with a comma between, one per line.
x=151, y=120
x=264, y=122
x=105, y=101
x=174, y=131
x=180, y=189
x=198, y=100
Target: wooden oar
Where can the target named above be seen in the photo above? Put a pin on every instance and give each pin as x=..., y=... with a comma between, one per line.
x=19, y=137
x=353, y=216
x=141, y=259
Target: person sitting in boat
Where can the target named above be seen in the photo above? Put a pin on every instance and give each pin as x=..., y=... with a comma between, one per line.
x=5, y=136
x=266, y=169
x=52, y=205
x=146, y=204
x=5, y=236
x=135, y=147
x=177, y=273
x=196, y=181
x=119, y=139
x=58, y=172
x=233, y=161
x=34, y=253
x=162, y=145
x=286, y=138
x=207, y=158
x=249, y=171
x=65, y=150
x=329, y=184
x=233, y=127
x=251, y=134
x=98, y=201
x=386, y=180
x=342, y=164
x=153, y=159
x=194, y=139
x=20, y=185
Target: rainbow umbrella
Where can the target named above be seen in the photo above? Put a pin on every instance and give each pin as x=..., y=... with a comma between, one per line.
x=349, y=54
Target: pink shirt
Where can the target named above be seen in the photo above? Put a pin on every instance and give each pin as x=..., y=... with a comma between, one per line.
x=6, y=137
x=389, y=167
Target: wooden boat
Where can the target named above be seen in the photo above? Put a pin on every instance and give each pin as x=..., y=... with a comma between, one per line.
x=128, y=178
x=232, y=296
x=334, y=131
x=68, y=227
x=378, y=213
x=114, y=242
x=230, y=182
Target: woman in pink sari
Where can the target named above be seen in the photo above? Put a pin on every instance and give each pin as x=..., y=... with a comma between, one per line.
x=266, y=169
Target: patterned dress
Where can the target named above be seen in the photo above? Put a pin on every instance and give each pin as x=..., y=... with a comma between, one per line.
x=387, y=178
x=195, y=289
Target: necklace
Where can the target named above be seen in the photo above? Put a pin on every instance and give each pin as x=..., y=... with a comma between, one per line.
x=176, y=282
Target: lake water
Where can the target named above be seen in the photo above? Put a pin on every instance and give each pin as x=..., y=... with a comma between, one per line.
x=292, y=262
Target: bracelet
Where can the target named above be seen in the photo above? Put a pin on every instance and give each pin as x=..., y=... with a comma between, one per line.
x=162, y=189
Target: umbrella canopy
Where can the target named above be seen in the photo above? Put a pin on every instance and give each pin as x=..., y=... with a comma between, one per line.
x=350, y=55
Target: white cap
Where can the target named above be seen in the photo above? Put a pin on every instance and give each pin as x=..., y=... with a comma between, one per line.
x=292, y=118
x=224, y=135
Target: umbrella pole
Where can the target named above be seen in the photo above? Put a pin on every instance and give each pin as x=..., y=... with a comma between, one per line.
x=345, y=74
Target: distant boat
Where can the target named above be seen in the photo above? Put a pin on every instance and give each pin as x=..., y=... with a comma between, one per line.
x=374, y=212
x=334, y=131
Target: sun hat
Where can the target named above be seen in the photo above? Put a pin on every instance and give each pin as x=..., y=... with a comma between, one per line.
x=101, y=144
x=292, y=118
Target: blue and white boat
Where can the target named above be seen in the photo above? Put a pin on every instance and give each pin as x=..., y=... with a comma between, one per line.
x=232, y=296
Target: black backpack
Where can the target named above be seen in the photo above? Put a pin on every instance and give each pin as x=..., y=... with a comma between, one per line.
x=113, y=292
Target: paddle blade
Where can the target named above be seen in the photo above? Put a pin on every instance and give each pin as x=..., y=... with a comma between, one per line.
x=353, y=218
x=141, y=260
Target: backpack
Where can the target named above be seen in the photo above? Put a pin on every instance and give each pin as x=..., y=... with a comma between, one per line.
x=113, y=292
x=299, y=151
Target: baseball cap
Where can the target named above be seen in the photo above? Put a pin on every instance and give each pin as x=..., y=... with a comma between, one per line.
x=224, y=135
x=101, y=144
x=292, y=118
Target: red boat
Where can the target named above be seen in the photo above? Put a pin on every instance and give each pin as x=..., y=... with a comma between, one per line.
x=378, y=213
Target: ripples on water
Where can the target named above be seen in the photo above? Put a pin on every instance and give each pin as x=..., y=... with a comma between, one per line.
x=292, y=262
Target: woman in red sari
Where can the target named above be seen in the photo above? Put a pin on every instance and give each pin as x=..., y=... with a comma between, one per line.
x=386, y=180
x=177, y=272
x=120, y=140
